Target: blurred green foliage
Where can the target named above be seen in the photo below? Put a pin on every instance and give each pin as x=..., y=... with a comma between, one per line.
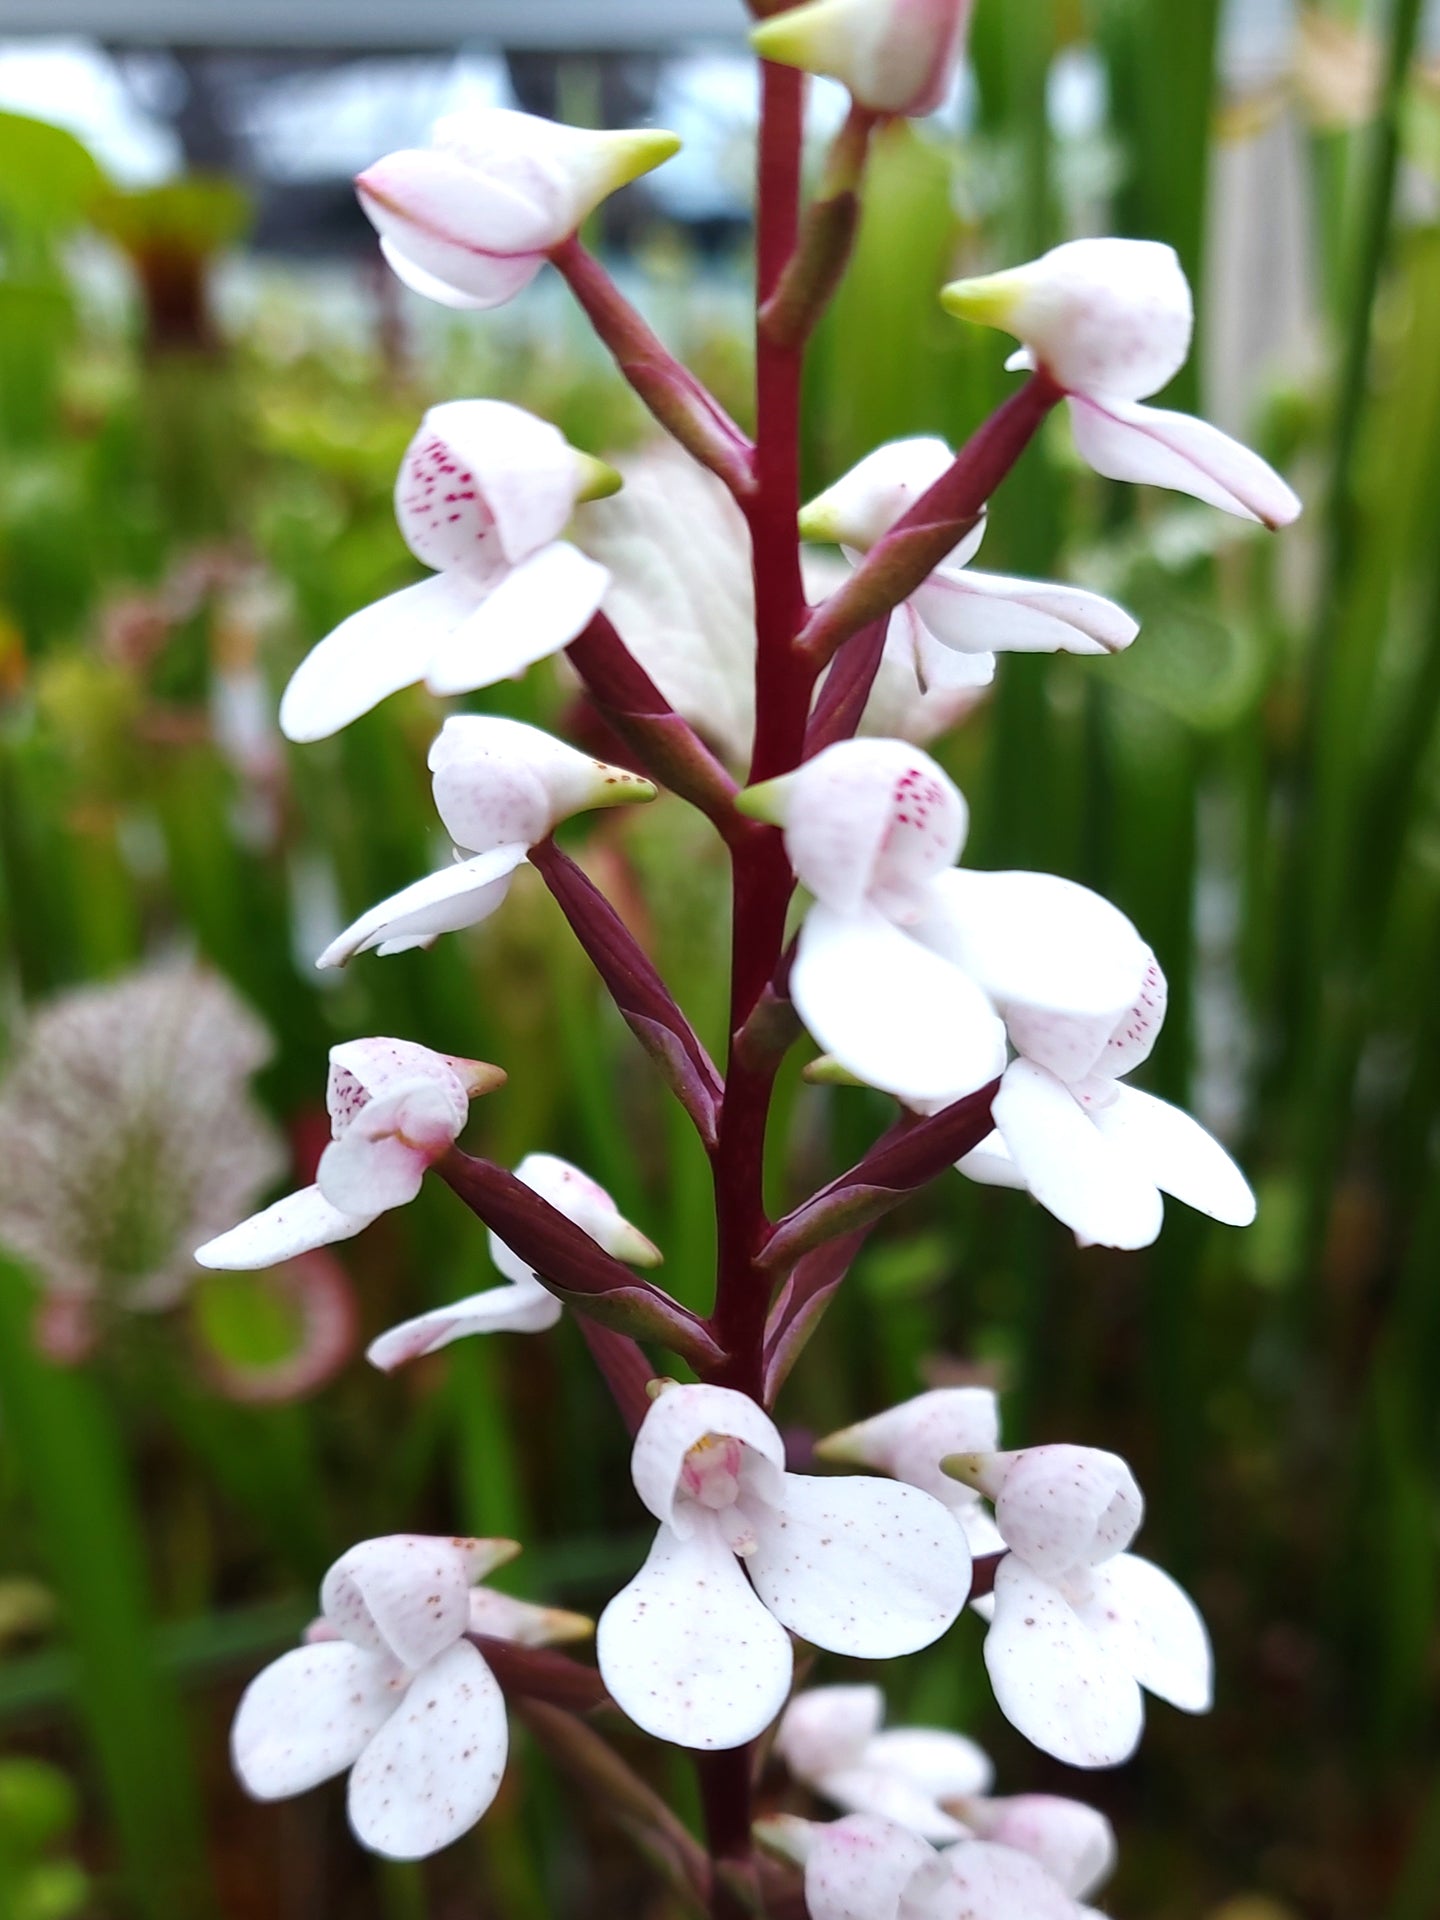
x=1255, y=783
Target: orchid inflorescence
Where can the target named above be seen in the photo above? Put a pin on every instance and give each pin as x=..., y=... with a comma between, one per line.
x=1003, y=1011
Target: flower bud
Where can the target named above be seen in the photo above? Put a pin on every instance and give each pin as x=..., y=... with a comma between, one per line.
x=1058, y=1507
x=1074, y=1843
x=1111, y=317
x=864, y=504
x=469, y=220
x=499, y=782
x=895, y=56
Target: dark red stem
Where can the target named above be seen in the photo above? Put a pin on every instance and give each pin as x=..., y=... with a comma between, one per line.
x=846, y=689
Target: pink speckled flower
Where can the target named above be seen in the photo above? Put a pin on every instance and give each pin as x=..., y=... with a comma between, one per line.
x=389, y=1688
x=483, y=496
x=395, y=1108
x=696, y=1653
x=1080, y=1625
x=1110, y=322
x=500, y=787
x=895, y=56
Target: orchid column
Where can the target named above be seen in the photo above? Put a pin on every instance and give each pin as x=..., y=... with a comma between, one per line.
x=1000, y=1011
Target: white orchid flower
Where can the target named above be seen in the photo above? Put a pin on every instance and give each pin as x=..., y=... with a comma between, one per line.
x=484, y=492
x=867, y=1868
x=389, y=1688
x=697, y=1653
x=895, y=56
x=395, y=1108
x=522, y=1305
x=906, y=965
x=500, y=788
x=957, y=621
x=1110, y=322
x=469, y=220
x=909, y=1442
x=830, y=1738
x=1079, y=1624
x=935, y=1784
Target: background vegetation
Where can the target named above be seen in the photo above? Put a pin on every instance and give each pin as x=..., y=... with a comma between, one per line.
x=182, y=510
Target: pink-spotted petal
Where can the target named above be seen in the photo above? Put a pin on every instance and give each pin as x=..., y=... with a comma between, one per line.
x=404, y=1595
x=458, y=896
x=1156, y=448
x=297, y=1224
x=991, y=613
x=1067, y=1692
x=1060, y=1507
x=538, y=608
x=1148, y=1622
x=371, y=655
x=524, y=468
x=859, y=1566
x=381, y=1158
x=991, y=1882
x=870, y=822
x=679, y=1419
x=436, y=1764
x=1085, y=1180
x=1178, y=1155
x=517, y=1308
x=362, y=1070
x=309, y=1715
x=1061, y=964
x=895, y=1014
x=688, y=1651
x=867, y=1868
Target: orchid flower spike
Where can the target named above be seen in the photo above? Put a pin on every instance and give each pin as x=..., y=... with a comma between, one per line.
x=1110, y=322
x=957, y=621
x=909, y=1442
x=697, y=1654
x=484, y=492
x=390, y=1689
x=470, y=219
x=500, y=788
x=895, y=56
x=1079, y=1624
x=522, y=1305
x=869, y=824
x=395, y=1108
x=867, y=1868
x=830, y=1738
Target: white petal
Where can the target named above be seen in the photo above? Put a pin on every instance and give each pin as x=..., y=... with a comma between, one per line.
x=516, y=1308
x=1178, y=1155
x=1060, y=962
x=475, y=234
x=910, y=1441
x=991, y=1164
x=1157, y=448
x=688, y=1651
x=362, y=1070
x=896, y=1015
x=501, y=1617
x=524, y=469
x=864, y=504
x=946, y=1765
x=405, y=1595
x=436, y=1764
x=1066, y=1692
x=372, y=654
x=1074, y=1843
x=991, y=1882
x=1099, y=1192
x=499, y=782
x=827, y=1727
x=586, y=1202
x=866, y=1567
x=309, y=1715
x=296, y=1224
x=991, y=613
x=890, y=1796
x=1151, y=1624
x=678, y=1420
x=459, y=896
x=864, y=1868
x=381, y=1157
x=501, y=278
x=1060, y=1507
x=537, y=609
x=872, y=821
